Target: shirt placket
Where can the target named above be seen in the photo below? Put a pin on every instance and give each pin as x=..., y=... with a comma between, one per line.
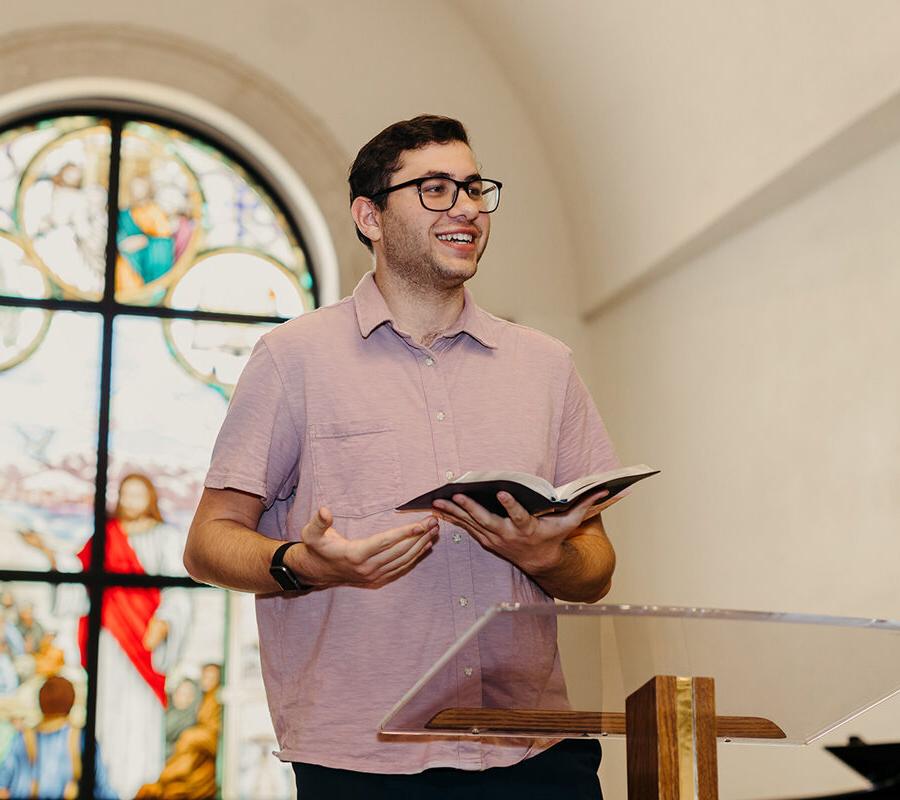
x=433, y=365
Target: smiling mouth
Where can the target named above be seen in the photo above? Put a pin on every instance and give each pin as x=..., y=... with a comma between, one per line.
x=456, y=238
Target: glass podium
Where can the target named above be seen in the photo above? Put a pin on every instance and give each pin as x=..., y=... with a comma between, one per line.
x=672, y=680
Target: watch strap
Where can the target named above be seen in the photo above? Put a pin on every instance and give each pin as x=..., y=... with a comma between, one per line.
x=286, y=577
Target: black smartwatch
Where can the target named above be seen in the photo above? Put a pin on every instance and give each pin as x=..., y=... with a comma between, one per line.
x=283, y=574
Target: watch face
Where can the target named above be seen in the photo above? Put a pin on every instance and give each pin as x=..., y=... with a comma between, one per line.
x=285, y=578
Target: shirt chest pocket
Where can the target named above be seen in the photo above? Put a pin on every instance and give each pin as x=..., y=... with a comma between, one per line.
x=357, y=466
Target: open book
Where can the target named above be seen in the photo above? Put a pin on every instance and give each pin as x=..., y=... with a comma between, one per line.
x=534, y=493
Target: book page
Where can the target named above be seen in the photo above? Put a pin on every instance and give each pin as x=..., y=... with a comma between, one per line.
x=573, y=488
x=532, y=482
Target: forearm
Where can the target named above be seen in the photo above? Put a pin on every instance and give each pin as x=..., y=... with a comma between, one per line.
x=223, y=547
x=584, y=571
x=228, y=554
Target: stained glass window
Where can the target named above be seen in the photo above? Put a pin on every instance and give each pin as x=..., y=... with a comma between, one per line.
x=139, y=264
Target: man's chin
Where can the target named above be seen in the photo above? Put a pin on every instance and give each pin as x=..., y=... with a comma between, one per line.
x=458, y=272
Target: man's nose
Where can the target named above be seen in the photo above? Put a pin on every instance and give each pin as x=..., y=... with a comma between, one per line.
x=464, y=206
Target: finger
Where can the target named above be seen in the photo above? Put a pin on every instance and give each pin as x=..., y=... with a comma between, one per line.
x=400, y=550
x=381, y=542
x=321, y=521
x=449, y=511
x=591, y=499
x=400, y=566
x=580, y=510
x=385, y=579
x=517, y=512
x=402, y=560
x=477, y=512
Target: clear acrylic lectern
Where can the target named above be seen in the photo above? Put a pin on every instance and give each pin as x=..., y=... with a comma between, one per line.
x=673, y=680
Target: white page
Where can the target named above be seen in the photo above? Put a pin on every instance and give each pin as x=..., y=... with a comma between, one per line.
x=531, y=481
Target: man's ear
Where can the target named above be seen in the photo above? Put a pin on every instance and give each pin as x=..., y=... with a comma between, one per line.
x=367, y=217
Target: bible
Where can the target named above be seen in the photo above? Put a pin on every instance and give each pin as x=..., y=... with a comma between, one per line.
x=535, y=494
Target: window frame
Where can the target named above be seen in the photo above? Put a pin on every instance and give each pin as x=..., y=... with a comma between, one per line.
x=95, y=579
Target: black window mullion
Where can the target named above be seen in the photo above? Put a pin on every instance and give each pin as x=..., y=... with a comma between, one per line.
x=95, y=578
x=95, y=572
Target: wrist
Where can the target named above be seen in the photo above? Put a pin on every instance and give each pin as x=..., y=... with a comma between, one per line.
x=298, y=559
x=545, y=562
x=283, y=569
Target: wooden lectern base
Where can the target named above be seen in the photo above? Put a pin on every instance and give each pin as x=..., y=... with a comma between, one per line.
x=671, y=741
x=670, y=726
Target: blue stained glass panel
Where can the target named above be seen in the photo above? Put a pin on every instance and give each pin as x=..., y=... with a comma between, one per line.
x=43, y=687
x=186, y=208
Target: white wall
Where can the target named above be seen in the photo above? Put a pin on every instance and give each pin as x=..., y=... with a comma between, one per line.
x=762, y=378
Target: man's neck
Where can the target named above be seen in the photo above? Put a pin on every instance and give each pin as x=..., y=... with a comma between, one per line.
x=422, y=312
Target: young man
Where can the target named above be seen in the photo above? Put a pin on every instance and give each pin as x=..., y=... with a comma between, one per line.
x=343, y=414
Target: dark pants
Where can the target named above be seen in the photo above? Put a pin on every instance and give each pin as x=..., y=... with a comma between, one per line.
x=567, y=771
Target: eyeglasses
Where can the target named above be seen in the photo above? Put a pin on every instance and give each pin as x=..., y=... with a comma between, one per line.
x=439, y=194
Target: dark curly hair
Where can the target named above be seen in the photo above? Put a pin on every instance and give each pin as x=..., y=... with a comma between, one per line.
x=379, y=158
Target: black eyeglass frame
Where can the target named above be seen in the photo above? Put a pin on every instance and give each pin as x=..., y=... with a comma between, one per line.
x=417, y=182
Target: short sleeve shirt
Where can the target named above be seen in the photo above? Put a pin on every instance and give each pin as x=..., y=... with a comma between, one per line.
x=342, y=408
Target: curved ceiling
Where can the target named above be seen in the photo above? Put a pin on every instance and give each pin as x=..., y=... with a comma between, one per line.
x=660, y=118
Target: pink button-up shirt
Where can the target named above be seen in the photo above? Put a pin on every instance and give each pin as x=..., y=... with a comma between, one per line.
x=342, y=408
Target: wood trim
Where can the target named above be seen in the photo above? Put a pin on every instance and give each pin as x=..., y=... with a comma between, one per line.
x=596, y=723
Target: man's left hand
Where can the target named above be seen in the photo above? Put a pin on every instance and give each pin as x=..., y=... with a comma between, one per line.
x=533, y=544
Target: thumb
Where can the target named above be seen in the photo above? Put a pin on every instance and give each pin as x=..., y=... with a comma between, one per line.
x=321, y=521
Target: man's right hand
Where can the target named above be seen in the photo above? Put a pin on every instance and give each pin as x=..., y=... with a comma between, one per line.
x=330, y=559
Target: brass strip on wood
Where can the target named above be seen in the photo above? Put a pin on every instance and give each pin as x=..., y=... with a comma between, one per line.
x=684, y=733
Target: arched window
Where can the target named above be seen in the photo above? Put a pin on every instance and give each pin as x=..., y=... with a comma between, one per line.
x=139, y=264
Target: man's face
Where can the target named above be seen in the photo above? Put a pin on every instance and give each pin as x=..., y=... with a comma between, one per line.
x=412, y=240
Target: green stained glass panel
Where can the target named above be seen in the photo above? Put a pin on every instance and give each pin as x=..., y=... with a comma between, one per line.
x=49, y=378
x=189, y=213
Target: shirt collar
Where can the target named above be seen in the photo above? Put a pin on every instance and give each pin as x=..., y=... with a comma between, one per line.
x=372, y=311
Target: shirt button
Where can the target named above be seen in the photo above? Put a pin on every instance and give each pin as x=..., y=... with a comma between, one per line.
x=467, y=671
x=464, y=601
x=429, y=362
x=441, y=416
x=448, y=474
x=457, y=538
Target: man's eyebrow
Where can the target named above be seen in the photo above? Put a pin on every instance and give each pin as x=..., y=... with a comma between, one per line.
x=434, y=173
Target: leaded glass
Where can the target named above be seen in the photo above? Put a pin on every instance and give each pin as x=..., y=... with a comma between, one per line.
x=19, y=277
x=48, y=437
x=159, y=221
x=43, y=685
x=249, y=770
x=159, y=702
x=193, y=231
x=167, y=406
x=183, y=203
x=59, y=215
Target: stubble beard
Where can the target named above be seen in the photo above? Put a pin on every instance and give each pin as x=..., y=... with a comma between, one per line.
x=416, y=265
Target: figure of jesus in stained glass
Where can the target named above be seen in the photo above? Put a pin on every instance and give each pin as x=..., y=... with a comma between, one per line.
x=142, y=636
